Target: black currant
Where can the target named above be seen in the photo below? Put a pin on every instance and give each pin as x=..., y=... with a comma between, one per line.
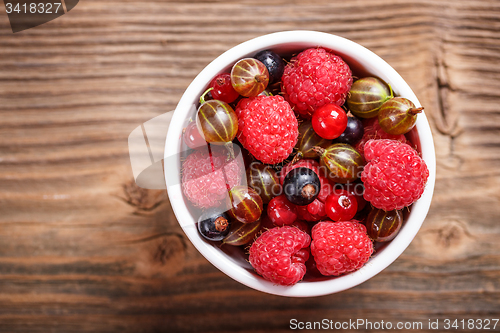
x=301, y=186
x=214, y=225
x=275, y=65
x=353, y=132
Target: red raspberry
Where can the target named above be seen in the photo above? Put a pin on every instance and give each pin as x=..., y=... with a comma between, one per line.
x=313, y=78
x=204, y=176
x=372, y=130
x=340, y=247
x=267, y=128
x=315, y=211
x=395, y=176
x=279, y=255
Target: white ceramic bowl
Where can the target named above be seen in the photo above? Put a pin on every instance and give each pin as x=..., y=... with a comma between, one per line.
x=363, y=63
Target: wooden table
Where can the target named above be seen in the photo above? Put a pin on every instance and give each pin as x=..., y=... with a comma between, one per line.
x=83, y=249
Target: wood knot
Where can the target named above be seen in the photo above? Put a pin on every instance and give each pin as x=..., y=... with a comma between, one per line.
x=141, y=198
x=451, y=234
x=448, y=240
x=161, y=255
x=169, y=247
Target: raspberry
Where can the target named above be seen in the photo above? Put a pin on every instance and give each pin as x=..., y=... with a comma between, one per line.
x=315, y=211
x=267, y=128
x=313, y=78
x=395, y=176
x=279, y=255
x=340, y=247
x=204, y=176
x=372, y=130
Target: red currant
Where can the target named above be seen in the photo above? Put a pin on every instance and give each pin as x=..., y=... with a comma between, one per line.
x=341, y=205
x=223, y=89
x=192, y=136
x=281, y=211
x=329, y=121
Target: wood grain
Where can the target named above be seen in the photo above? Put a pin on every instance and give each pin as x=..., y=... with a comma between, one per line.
x=83, y=249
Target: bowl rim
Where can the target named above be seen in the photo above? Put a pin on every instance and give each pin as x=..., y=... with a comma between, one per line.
x=341, y=46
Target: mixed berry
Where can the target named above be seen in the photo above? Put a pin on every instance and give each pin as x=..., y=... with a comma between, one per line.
x=328, y=174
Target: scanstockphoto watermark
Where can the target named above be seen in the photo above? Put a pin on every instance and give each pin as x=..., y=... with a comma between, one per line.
x=356, y=324
x=26, y=14
x=486, y=324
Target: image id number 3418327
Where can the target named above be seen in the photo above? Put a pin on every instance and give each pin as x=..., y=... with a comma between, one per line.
x=33, y=8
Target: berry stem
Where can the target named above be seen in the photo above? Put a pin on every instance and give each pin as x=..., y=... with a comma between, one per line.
x=202, y=97
x=221, y=224
x=309, y=191
x=296, y=158
x=319, y=150
x=260, y=78
x=346, y=202
x=414, y=111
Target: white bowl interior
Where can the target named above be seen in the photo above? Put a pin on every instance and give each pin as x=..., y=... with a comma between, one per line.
x=363, y=63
